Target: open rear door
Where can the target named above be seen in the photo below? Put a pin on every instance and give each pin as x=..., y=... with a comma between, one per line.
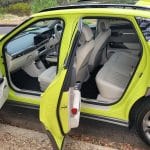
x=3, y=90
x=60, y=103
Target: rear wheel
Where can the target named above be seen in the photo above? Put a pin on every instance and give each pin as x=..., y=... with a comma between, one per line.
x=143, y=122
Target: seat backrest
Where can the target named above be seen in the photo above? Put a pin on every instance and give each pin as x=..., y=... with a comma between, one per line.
x=83, y=53
x=101, y=40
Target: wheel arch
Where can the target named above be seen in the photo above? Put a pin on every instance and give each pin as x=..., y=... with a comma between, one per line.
x=135, y=109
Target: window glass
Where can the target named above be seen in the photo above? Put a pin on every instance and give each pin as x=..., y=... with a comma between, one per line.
x=145, y=27
x=90, y=22
x=44, y=33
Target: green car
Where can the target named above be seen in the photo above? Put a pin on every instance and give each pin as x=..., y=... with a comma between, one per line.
x=86, y=55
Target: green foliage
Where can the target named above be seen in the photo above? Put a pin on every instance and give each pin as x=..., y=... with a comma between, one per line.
x=25, y=7
x=2, y=11
x=37, y=5
x=19, y=9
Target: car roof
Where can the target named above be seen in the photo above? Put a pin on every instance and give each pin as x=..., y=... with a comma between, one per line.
x=89, y=4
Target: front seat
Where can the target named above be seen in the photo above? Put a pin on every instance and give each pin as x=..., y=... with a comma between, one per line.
x=83, y=54
x=47, y=77
x=81, y=63
x=101, y=40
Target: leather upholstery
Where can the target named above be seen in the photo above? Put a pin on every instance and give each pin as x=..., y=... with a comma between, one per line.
x=47, y=77
x=100, y=43
x=114, y=77
x=83, y=54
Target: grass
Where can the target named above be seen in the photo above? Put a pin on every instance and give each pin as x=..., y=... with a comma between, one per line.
x=24, y=8
x=38, y=5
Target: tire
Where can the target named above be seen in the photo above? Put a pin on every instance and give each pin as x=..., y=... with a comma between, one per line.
x=142, y=122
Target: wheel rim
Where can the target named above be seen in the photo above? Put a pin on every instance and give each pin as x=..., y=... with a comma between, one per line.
x=146, y=125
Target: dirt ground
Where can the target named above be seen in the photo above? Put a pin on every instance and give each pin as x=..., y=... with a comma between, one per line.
x=12, y=19
x=89, y=131
x=14, y=138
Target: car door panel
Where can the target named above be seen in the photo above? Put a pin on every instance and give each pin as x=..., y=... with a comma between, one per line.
x=123, y=39
x=3, y=90
x=57, y=115
x=49, y=111
x=60, y=109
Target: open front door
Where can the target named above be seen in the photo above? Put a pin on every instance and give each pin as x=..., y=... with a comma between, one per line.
x=60, y=103
x=3, y=90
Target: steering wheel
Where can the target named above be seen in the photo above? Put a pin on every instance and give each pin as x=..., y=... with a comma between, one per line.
x=58, y=30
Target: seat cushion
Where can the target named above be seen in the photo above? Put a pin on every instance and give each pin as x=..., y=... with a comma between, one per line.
x=47, y=77
x=124, y=58
x=114, y=77
x=111, y=83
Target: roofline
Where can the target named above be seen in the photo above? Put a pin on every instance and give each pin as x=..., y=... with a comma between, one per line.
x=96, y=5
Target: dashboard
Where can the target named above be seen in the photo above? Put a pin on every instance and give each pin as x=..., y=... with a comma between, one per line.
x=28, y=42
x=29, y=45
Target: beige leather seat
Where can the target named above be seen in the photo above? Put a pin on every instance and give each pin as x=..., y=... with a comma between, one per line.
x=81, y=63
x=122, y=62
x=47, y=77
x=100, y=43
x=83, y=54
x=114, y=77
x=127, y=59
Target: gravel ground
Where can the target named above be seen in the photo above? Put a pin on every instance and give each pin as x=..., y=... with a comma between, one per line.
x=90, y=131
x=14, y=138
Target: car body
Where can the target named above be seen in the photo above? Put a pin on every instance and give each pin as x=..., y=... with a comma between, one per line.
x=143, y=3
x=1, y=36
x=50, y=61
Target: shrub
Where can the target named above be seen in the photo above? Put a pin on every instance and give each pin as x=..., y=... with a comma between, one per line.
x=2, y=10
x=37, y=5
x=20, y=9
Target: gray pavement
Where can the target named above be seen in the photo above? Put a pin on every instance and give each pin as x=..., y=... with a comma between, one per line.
x=5, y=29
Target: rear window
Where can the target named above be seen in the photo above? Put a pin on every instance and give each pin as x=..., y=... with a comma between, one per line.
x=144, y=24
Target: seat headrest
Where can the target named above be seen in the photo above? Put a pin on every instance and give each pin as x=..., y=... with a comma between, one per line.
x=87, y=33
x=104, y=26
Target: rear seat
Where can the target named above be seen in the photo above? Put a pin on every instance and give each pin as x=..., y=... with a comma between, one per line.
x=113, y=78
x=124, y=58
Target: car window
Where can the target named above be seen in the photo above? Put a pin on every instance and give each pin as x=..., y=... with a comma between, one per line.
x=144, y=24
x=45, y=32
x=90, y=22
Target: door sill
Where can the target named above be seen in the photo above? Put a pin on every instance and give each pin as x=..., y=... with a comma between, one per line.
x=96, y=102
x=106, y=119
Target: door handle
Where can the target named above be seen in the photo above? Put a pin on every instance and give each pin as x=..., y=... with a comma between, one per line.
x=64, y=107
